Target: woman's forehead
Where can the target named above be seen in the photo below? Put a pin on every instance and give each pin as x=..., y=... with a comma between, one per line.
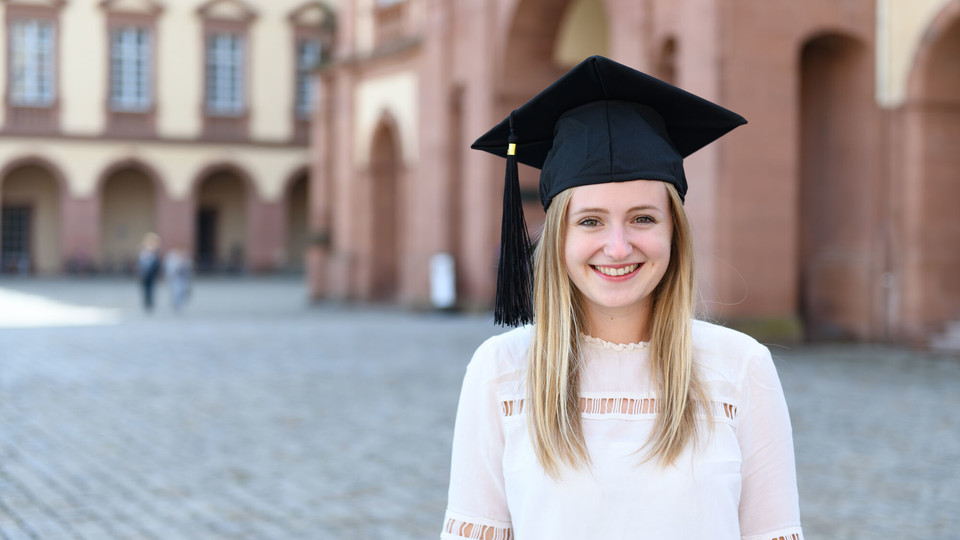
x=620, y=196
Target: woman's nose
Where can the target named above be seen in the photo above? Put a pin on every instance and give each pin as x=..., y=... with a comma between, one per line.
x=617, y=245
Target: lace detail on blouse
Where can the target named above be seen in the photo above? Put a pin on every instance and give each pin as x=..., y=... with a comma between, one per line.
x=625, y=406
x=458, y=528
x=616, y=346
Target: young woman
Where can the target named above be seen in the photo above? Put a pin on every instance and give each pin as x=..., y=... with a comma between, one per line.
x=615, y=415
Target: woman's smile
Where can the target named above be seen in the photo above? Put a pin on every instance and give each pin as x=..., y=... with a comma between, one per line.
x=617, y=271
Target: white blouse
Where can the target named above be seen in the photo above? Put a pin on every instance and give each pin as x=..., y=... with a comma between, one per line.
x=740, y=483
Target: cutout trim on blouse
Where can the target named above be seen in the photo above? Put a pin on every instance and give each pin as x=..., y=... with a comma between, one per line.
x=600, y=407
x=459, y=528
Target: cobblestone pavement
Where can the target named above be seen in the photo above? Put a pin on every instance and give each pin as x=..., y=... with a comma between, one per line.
x=256, y=415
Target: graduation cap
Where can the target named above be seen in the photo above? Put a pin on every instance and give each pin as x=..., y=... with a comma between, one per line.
x=600, y=122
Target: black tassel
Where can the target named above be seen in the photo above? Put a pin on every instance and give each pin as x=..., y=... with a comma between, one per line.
x=513, y=306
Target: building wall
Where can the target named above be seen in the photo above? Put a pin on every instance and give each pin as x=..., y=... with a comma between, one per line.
x=392, y=94
x=82, y=45
x=925, y=289
x=814, y=218
x=175, y=153
x=762, y=167
x=179, y=164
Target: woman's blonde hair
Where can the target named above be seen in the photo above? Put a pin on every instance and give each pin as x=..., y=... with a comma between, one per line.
x=553, y=376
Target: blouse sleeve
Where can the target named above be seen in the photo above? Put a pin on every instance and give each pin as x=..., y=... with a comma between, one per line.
x=769, y=504
x=477, y=506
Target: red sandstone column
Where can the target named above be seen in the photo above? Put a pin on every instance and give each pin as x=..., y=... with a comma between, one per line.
x=79, y=232
x=344, y=214
x=344, y=217
x=699, y=71
x=626, y=20
x=317, y=256
x=176, y=220
x=328, y=256
x=482, y=174
x=430, y=216
x=265, y=241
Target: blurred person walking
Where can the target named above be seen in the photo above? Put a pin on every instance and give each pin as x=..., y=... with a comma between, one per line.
x=178, y=271
x=148, y=267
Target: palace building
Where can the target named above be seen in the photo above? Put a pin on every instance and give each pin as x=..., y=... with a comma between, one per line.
x=830, y=213
x=188, y=118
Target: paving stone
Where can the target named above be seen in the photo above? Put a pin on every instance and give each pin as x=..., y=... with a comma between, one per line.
x=254, y=414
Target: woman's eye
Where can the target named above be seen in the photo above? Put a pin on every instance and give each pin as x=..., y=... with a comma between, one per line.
x=644, y=219
x=589, y=222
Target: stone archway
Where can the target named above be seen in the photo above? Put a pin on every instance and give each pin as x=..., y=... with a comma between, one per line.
x=220, y=232
x=839, y=188
x=582, y=32
x=30, y=220
x=929, y=242
x=127, y=212
x=385, y=200
x=545, y=39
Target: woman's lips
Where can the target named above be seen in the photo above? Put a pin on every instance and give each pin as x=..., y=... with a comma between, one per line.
x=616, y=270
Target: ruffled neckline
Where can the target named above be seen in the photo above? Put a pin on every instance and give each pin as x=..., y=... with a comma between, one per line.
x=604, y=344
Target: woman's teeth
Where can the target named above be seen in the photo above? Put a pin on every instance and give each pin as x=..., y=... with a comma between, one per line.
x=614, y=272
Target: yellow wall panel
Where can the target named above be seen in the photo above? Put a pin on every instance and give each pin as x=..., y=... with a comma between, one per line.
x=901, y=26
x=83, y=70
x=394, y=95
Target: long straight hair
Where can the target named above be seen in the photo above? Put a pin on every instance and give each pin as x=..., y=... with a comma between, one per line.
x=554, y=367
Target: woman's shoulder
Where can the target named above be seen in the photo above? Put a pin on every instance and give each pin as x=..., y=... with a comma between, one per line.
x=710, y=335
x=504, y=352
x=725, y=349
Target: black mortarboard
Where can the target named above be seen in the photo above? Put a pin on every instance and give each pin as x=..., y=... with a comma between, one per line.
x=600, y=122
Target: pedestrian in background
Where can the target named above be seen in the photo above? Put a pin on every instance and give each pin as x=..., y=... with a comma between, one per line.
x=614, y=414
x=178, y=271
x=148, y=268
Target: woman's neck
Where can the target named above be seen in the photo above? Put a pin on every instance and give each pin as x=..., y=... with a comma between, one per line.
x=629, y=325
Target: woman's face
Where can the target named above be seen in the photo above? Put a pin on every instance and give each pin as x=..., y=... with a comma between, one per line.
x=617, y=244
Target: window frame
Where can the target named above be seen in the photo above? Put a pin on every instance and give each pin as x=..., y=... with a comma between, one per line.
x=304, y=74
x=134, y=95
x=21, y=118
x=391, y=20
x=217, y=127
x=123, y=122
x=301, y=122
x=306, y=23
x=239, y=101
x=44, y=96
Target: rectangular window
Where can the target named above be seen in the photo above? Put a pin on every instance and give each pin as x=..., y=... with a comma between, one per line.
x=32, y=63
x=308, y=55
x=225, y=63
x=130, y=69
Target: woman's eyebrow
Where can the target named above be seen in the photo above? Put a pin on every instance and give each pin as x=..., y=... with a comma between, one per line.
x=591, y=211
x=644, y=208
x=641, y=208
